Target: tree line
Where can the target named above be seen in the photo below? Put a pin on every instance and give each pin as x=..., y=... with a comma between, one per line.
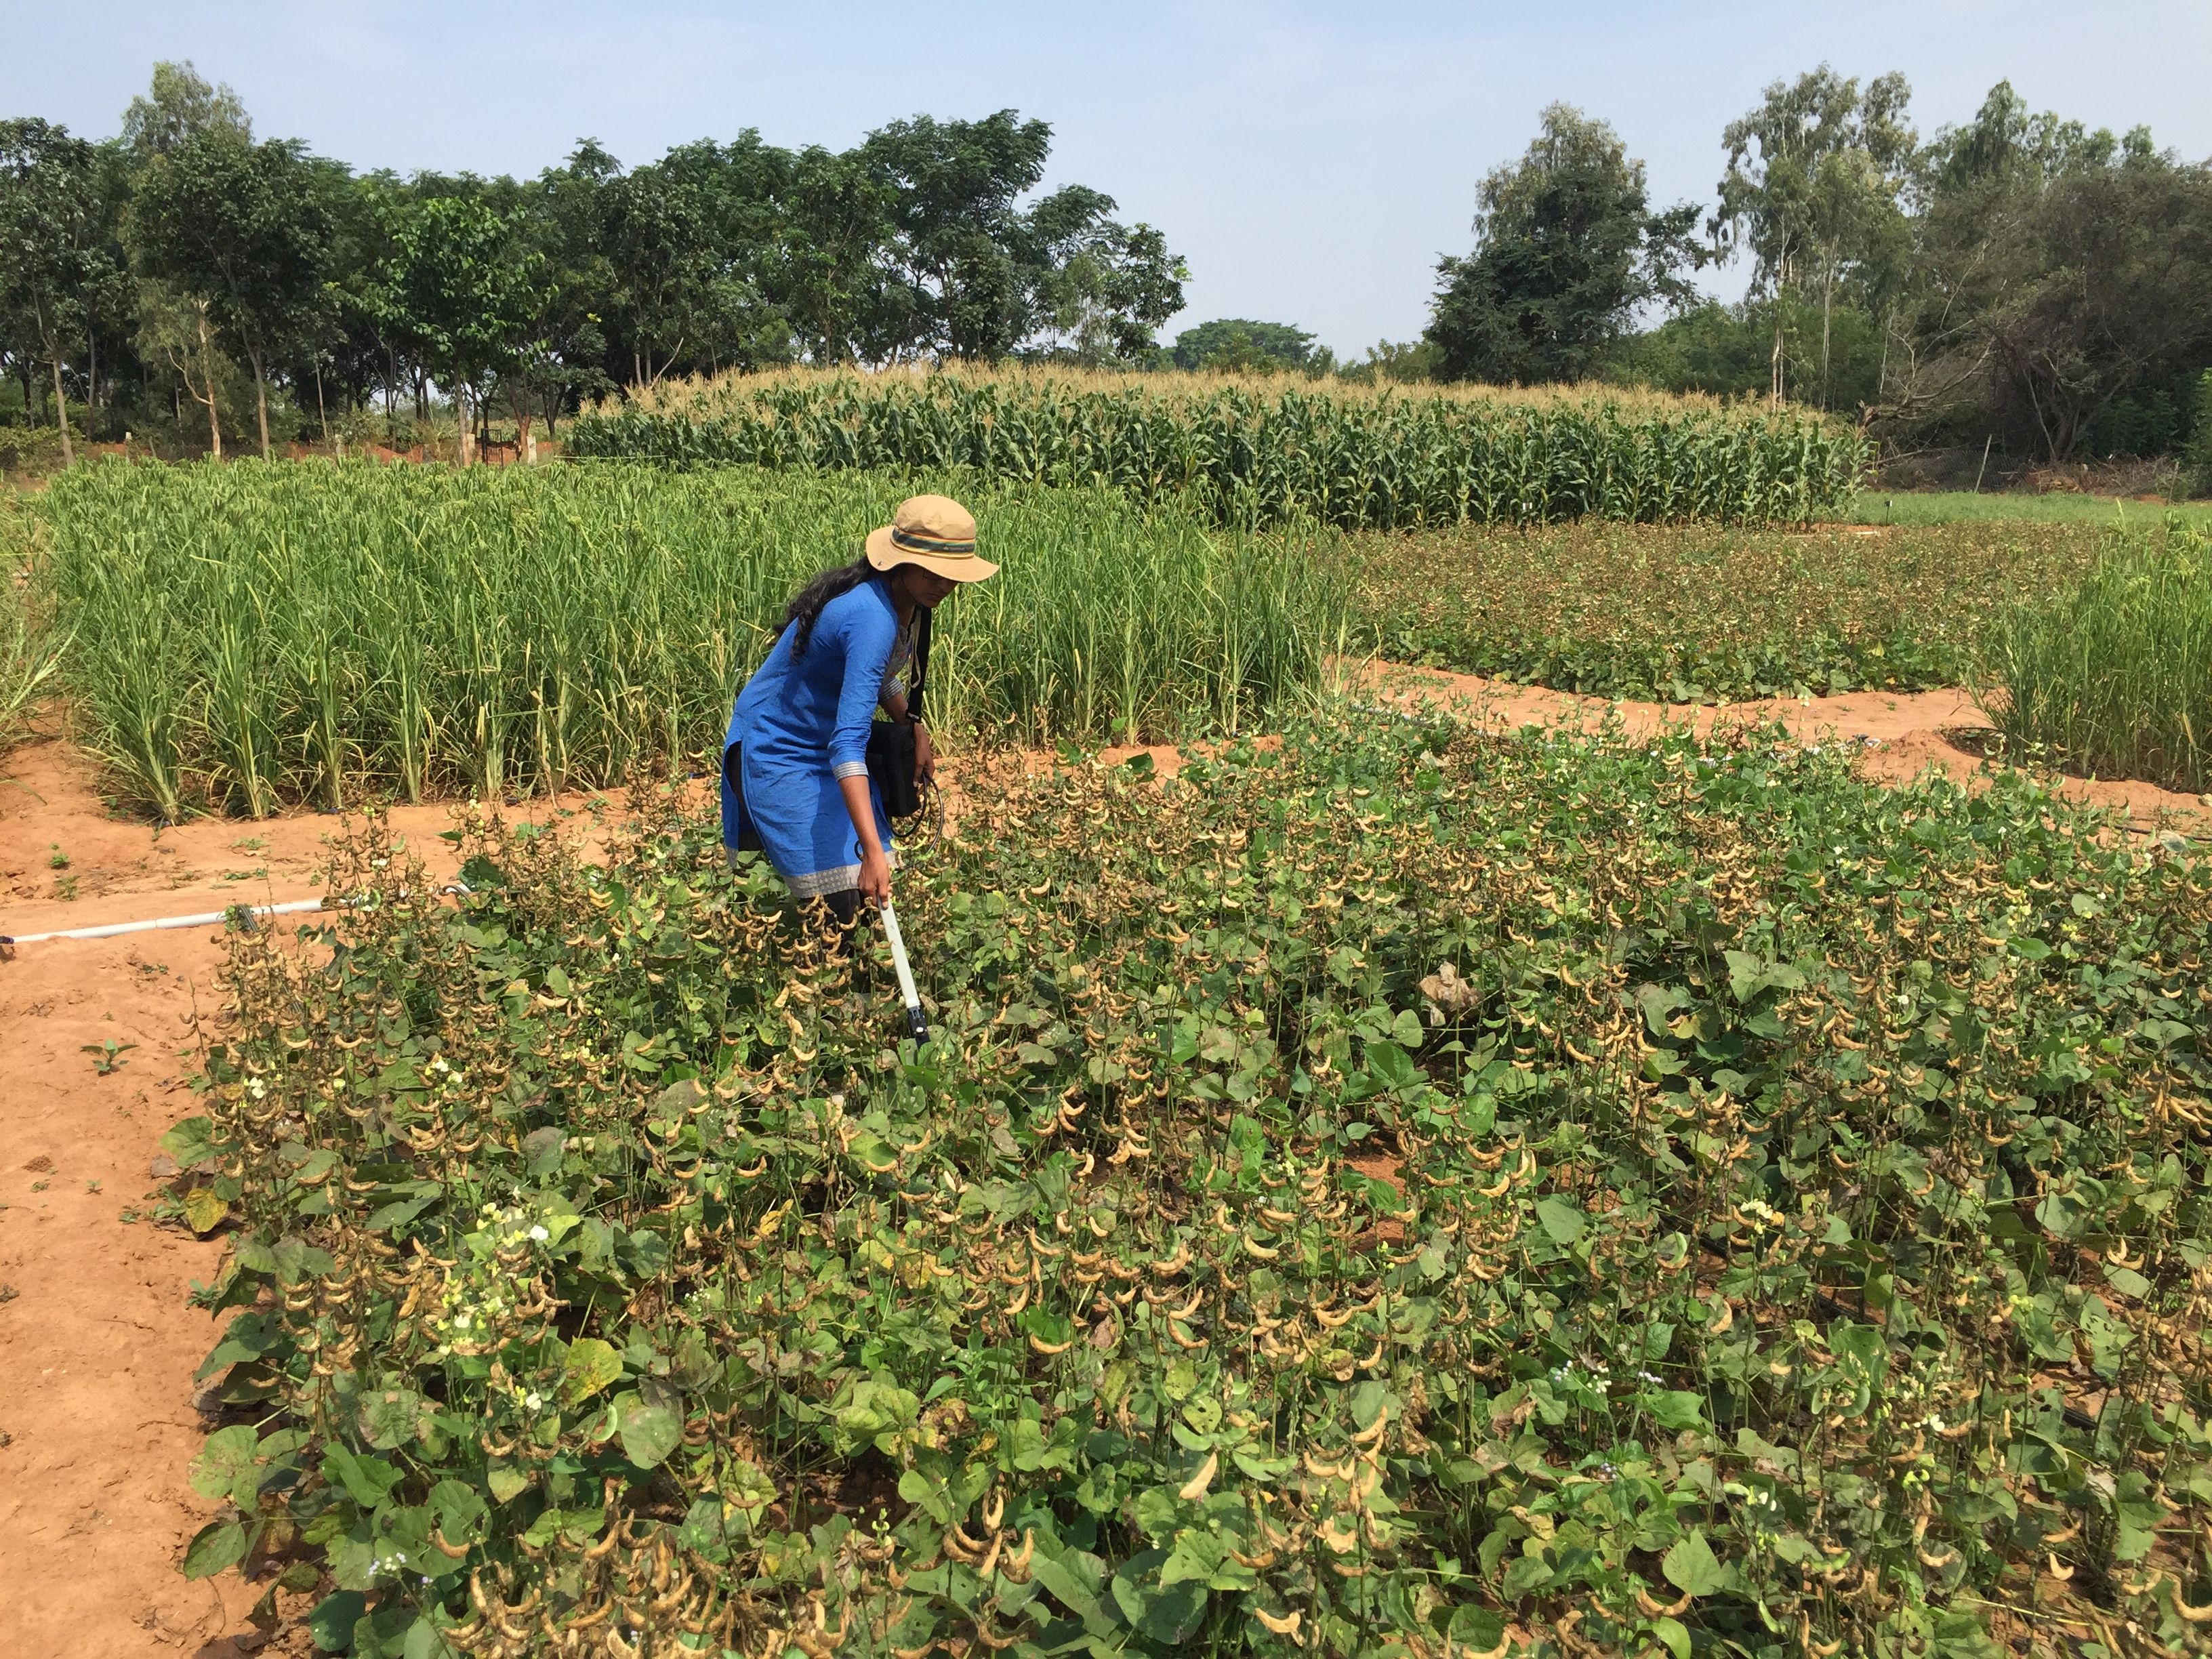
x=185, y=263
x=2019, y=280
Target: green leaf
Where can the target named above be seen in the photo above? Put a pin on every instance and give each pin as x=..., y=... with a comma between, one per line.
x=1675, y=1634
x=226, y=1462
x=1073, y=1579
x=542, y=1149
x=2127, y=1281
x=190, y=1142
x=505, y=1480
x=332, y=1621
x=218, y=1544
x=367, y=1480
x=1562, y=1221
x=1676, y=1409
x=590, y=1365
x=426, y=1641
x=1478, y=1629
x=390, y=1417
x=1863, y=1346
x=649, y=1433
x=1692, y=1567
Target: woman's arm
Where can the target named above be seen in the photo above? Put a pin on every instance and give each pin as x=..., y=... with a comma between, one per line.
x=867, y=635
x=875, y=867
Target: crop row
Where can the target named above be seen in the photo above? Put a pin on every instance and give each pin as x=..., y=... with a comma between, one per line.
x=246, y=637
x=1704, y=614
x=2112, y=673
x=1378, y=1195
x=1264, y=454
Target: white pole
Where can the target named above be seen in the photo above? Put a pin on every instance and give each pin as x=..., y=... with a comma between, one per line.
x=207, y=919
x=915, y=1024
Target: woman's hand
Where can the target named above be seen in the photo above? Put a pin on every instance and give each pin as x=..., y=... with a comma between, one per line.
x=925, y=755
x=875, y=876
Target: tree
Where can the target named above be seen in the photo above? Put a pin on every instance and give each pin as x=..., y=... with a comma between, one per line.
x=2062, y=271
x=245, y=229
x=1812, y=190
x=1238, y=344
x=955, y=227
x=461, y=291
x=832, y=272
x=1566, y=249
x=1097, y=289
x=180, y=105
x=675, y=237
x=48, y=253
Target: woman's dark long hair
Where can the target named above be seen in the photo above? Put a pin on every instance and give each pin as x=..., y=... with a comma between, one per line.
x=805, y=607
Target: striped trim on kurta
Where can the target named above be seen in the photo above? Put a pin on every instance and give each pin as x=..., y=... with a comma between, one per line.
x=819, y=884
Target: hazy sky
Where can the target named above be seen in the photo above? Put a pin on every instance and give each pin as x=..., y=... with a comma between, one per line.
x=1309, y=160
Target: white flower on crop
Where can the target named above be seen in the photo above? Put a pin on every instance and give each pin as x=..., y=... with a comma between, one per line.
x=256, y=1087
x=540, y=1234
x=532, y=1400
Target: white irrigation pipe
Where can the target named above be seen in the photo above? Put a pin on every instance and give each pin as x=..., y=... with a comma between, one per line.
x=207, y=919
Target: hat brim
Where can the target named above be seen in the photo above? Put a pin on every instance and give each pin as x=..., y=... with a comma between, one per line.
x=885, y=555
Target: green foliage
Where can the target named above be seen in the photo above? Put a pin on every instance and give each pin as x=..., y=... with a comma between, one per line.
x=1238, y=345
x=261, y=634
x=1940, y=507
x=177, y=105
x=2198, y=457
x=53, y=262
x=27, y=657
x=1728, y=351
x=244, y=228
x=1566, y=249
x=1357, y=1194
x=1814, y=191
x=2064, y=280
x=2112, y=674
x=1261, y=453
x=1704, y=615
x=460, y=291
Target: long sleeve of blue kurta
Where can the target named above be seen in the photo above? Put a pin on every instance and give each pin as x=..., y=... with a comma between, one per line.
x=802, y=724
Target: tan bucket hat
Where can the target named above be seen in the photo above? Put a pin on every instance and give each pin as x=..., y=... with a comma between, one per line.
x=934, y=532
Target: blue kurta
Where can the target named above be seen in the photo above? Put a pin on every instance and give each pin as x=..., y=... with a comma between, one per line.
x=803, y=725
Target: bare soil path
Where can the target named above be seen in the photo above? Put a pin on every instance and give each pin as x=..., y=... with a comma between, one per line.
x=98, y=1346
x=1902, y=733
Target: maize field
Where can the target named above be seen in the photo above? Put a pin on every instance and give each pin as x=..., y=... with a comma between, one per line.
x=1264, y=453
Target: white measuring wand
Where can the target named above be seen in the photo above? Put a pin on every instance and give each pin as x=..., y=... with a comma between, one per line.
x=916, y=1026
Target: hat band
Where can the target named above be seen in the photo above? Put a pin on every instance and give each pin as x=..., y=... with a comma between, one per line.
x=915, y=544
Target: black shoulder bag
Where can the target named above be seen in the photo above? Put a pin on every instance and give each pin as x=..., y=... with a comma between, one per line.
x=890, y=743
